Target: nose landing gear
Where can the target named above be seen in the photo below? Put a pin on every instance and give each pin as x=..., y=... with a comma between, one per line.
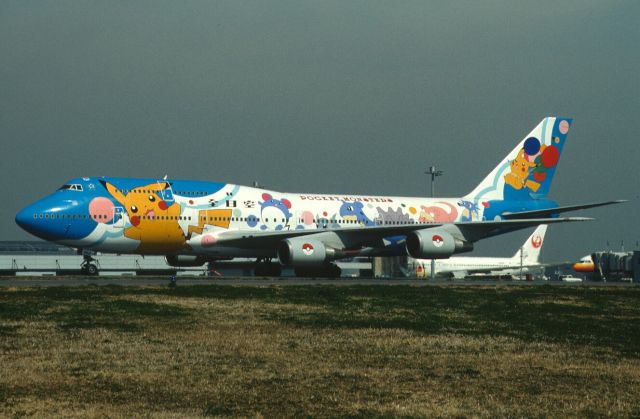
x=87, y=267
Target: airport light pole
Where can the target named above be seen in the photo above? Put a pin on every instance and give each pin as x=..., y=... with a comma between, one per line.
x=521, y=260
x=434, y=173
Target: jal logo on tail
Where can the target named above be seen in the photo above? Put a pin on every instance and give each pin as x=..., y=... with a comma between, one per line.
x=536, y=241
x=307, y=249
x=437, y=240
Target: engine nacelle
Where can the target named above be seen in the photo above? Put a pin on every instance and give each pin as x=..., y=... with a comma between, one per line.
x=433, y=243
x=185, y=260
x=303, y=251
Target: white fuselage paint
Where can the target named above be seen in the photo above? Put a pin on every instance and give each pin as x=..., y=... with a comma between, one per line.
x=471, y=264
x=302, y=211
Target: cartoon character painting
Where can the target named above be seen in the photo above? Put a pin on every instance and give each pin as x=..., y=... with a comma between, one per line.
x=323, y=221
x=530, y=166
x=392, y=216
x=470, y=211
x=527, y=172
x=274, y=213
x=440, y=212
x=213, y=217
x=520, y=169
x=152, y=222
x=354, y=211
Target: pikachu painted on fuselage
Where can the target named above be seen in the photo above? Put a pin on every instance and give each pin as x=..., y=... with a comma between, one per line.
x=153, y=222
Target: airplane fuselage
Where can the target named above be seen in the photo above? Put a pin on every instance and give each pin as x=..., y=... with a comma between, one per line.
x=474, y=264
x=149, y=216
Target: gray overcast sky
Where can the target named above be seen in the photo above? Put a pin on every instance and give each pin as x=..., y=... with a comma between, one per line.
x=324, y=97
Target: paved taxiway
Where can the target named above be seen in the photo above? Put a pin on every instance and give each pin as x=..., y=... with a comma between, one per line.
x=253, y=282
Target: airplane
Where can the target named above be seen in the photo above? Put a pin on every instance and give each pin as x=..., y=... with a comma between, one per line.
x=585, y=264
x=193, y=222
x=525, y=260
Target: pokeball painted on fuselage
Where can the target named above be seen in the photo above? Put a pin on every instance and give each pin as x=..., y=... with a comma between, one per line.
x=437, y=240
x=307, y=249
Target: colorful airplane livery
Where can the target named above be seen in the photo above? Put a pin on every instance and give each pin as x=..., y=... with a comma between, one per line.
x=192, y=222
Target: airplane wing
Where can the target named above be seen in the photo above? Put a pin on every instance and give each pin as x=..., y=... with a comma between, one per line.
x=373, y=235
x=550, y=212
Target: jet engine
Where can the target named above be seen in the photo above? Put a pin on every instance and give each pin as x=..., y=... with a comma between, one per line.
x=304, y=252
x=185, y=260
x=433, y=243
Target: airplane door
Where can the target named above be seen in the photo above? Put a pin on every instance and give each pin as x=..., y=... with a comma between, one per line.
x=118, y=217
x=166, y=193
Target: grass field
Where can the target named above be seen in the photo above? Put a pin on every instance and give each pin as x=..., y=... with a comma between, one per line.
x=320, y=351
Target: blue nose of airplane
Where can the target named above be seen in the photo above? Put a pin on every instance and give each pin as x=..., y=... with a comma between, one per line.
x=41, y=219
x=59, y=216
x=27, y=220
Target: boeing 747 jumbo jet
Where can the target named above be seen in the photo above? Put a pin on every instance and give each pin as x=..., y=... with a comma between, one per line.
x=526, y=260
x=192, y=222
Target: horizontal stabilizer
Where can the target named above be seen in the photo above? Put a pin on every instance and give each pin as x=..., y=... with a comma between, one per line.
x=555, y=211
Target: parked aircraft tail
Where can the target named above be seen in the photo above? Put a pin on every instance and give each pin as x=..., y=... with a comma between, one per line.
x=532, y=246
x=527, y=171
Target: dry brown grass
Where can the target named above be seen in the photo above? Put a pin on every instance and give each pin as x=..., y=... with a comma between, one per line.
x=319, y=351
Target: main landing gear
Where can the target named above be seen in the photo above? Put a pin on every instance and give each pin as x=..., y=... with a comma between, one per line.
x=264, y=267
x=329, y=270
x=87, y=267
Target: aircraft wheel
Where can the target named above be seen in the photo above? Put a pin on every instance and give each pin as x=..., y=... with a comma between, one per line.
x=335, y=271
x=267, y=269
x=92, y=269
x=259, y=270
x=326, y=271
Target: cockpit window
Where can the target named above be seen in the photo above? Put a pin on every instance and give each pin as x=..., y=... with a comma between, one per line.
x=71, y=187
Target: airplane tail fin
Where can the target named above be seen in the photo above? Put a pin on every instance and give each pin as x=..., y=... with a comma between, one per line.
x=527, y=171
x=532, y=246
